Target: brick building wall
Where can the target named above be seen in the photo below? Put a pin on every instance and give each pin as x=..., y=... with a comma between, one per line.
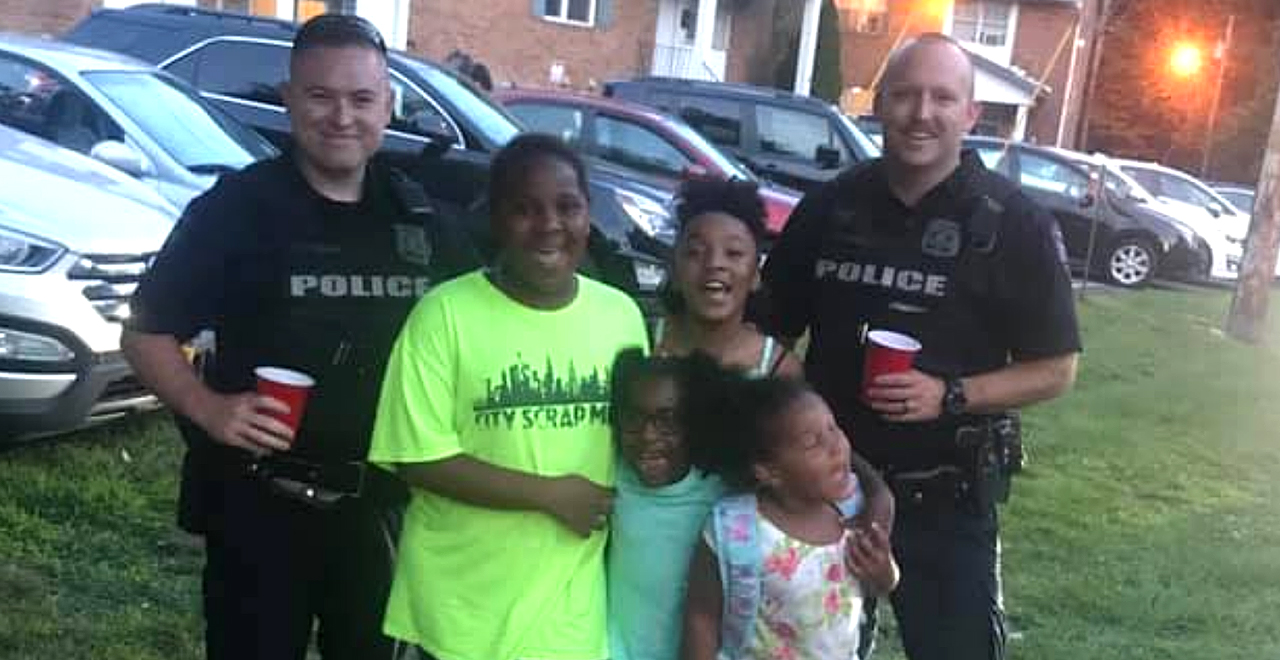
x=1042, y=30
x=1138, y=109
x=43, y=16
x=519, y=47
x=863, y=53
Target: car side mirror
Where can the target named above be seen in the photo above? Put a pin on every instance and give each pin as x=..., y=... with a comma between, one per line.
x=1214, y=209
x=121, y=156
x=828, y=158
x=438, y=143
x=1087, y=200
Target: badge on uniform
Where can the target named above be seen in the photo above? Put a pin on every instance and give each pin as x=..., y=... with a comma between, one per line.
x=412, y=244
x=941, y=238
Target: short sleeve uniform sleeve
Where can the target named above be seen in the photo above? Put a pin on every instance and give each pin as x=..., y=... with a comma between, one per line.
x=184, y=289
x=788, y=271
x=415, y=420
x=1040, y=310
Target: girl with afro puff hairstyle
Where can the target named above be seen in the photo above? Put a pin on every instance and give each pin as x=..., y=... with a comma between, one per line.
x=715, y=269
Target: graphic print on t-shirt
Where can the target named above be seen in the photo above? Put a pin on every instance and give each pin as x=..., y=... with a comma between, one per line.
x=522, y=397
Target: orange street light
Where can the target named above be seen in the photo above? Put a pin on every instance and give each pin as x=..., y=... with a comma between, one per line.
x=1186, y=59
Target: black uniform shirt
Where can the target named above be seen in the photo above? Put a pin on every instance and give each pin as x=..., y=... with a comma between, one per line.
x=286, y=277
x=854, y=257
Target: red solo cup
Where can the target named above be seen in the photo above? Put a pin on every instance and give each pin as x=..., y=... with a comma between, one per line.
x=887, y=352
x=289, y=386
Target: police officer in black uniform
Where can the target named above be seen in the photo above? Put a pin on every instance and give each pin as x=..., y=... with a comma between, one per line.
x=310, y=261
x=927, y=242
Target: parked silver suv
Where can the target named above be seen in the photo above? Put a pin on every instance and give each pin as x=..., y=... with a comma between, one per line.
x=123, y=112
x=75, y=237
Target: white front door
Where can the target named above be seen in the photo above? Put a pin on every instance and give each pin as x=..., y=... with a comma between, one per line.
x=688, y=43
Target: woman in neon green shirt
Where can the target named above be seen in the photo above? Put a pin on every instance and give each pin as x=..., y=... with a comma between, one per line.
x=495, y=410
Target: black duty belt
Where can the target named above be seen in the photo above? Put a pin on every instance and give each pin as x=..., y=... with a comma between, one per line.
x=345, y=478
x=320, y=483
x=948, y=486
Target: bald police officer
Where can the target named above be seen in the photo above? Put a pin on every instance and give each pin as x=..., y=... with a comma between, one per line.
x=927, y=242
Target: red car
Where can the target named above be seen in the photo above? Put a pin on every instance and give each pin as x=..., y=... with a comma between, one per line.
x=640, y=138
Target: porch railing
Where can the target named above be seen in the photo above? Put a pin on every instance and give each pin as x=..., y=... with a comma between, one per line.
x=681, y=62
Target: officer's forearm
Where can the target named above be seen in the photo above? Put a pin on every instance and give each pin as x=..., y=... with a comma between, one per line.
x=158, y=361
x=478, y=483
x=1020, y=384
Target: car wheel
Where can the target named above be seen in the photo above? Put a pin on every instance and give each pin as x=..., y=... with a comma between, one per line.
x=1131, y=262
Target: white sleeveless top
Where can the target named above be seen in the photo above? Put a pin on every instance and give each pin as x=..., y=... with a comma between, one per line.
x=763, y=369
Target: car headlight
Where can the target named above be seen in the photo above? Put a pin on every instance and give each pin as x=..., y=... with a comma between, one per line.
x=24, y=253
x=28, y=347
x=651, y=217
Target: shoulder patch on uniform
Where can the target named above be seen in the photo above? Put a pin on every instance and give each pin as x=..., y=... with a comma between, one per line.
x=941, y=238
x=412, y=244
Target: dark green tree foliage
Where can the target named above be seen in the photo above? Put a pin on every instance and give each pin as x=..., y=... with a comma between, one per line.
x=828, y=80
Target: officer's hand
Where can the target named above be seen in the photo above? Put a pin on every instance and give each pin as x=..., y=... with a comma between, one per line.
x=241, y=420
x=909, y=396
x=579, y=504
x=869, y=558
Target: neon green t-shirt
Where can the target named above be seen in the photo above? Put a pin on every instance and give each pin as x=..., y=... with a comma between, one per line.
x=475, y=372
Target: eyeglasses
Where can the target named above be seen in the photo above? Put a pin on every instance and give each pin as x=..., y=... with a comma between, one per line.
x=636, y=422
x=336, y=29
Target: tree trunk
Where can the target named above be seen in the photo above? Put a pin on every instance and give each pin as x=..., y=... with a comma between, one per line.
x=1248, y=316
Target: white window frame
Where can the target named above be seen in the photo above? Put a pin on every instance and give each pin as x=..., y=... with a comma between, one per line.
x=563, y=17
x=983, y=22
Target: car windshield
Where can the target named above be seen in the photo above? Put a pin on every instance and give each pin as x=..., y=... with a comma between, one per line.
x=495, y=123
x=1241, y=199
x=865, y=145
x=198, y=137
x=733, y=167
x=1182, y=188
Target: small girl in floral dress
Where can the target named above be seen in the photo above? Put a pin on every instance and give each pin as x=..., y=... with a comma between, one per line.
x=781, y=572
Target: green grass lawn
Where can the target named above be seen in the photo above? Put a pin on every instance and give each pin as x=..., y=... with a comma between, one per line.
x=1145, y=526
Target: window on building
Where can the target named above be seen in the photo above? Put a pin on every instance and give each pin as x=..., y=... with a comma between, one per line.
x=306, y=9
x=787, y=132
x=983, y=22
x=237, y=6
x=866, y=16
x=635, y=146
x=582, y=12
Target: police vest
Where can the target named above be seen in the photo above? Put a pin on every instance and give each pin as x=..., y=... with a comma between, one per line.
x=935, y=282
x=329, y=301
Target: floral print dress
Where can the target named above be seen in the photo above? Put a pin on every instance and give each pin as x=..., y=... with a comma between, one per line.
x=810, y=608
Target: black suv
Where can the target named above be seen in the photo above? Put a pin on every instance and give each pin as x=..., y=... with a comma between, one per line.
x=443, y=131
x=1132, y=243
x=798, y=141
